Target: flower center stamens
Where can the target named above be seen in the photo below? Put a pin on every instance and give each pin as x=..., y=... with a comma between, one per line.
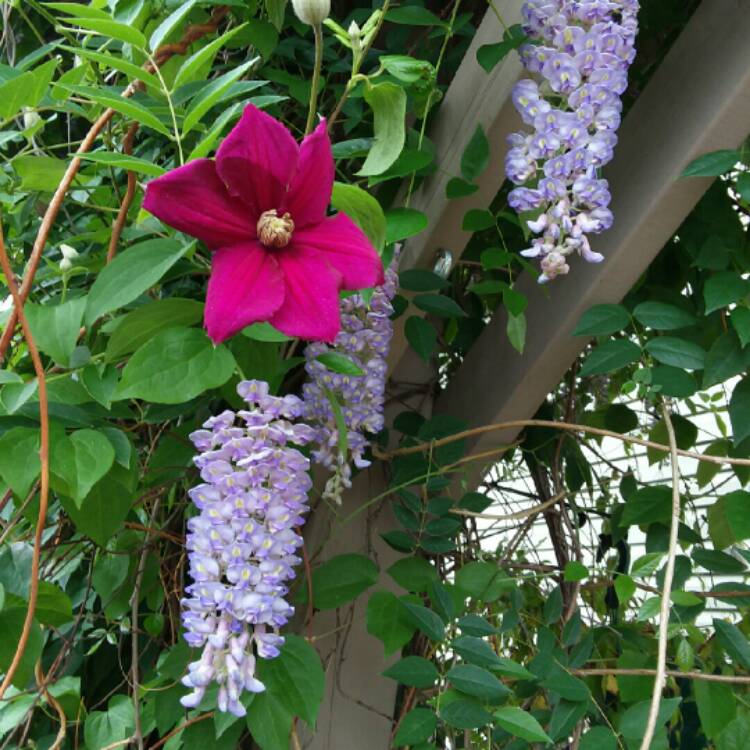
x=275, y=230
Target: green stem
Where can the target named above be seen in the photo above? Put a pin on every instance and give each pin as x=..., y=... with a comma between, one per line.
x=318, y=31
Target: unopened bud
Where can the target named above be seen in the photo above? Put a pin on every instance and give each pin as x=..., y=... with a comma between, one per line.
x=355, y=37
x=30, y=118
x=68, y=254
x=312, y=12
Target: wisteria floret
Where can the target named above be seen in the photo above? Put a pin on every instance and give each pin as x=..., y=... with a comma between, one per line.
x=242, y=543
x=581, y=53
x=365, y=338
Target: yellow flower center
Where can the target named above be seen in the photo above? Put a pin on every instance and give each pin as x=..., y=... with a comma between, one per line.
x=275, y=230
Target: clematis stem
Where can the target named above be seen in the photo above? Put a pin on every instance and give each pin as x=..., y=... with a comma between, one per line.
x=318, y=31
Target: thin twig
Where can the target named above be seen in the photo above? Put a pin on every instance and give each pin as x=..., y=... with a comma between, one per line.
x=41, y=681
x=661, y=658
x=163, y=741
x=567, y=426
x=44, y=459
x=518, y=516
x=135, y=655
x=127, y=200
x=704, y=676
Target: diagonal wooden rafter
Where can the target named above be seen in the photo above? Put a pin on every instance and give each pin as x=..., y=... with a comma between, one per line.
x=698, y=101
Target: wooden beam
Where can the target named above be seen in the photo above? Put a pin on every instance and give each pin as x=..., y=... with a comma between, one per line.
x=473, y=98
x=698, y=101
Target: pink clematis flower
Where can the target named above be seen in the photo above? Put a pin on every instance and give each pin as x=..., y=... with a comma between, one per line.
x=261, y=207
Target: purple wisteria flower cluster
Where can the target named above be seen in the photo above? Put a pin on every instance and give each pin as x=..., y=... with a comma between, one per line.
x=242, y=543
x=581, y=53
x=365, y=338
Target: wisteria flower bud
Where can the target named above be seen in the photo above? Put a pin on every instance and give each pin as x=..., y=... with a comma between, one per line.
x=312, y=12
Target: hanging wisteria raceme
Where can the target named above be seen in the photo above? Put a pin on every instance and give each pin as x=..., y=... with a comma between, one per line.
x=242, y=544
x=581, y=54
x=365, y=338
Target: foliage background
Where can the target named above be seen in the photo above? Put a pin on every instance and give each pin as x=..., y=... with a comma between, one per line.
x=497, y=642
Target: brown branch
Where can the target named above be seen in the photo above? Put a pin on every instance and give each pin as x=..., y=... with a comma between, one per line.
x=127, y=200
x=177, y=730
x=567, y=426
x=164, y=53
x=44, y=458
x=41, y=681
x=706, y=677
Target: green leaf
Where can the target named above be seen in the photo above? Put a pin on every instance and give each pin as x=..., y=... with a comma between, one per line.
x=386, y=622
x=269, y=721
x=364, y=209
x=651, y=504
x=734, y=735
x=413, y=15
x=663, y=317
x=489, y=55
x=610, y=356
x=130, y=274
x=14, y=395
x=413, y=671
x=743, y=186
x=421, y=280
x=264, y=332
x=114, y=30
x=634, y=720
x=56, y=327
x=440, y=305
x=104, y=728
x=483, y=581
x=105, y=507
x=388, y=104
x=713, y=164
x=19, y=459
x=413, y=573
x=686, y=433
x=625, y=588
x=115, y=63
x=170, y=24
x=716, y=561
x=417, y=726
x=11, y=626
x=421, y=335
x=25, y=90
x=407, y=69
x=42, y=173
x=175, y=366
x=425, y=620
x=717, y=706
x=476, y=651
x=645, y=566
x=53, y=605
x=476, y=625
x=521, y=724
x=340, y=580
x=476, y=155
x=201, y=59
x=598, y=738
x=476, y=681
x=295, y=676
x=677, y=352
x=737, y=506
x=341, y=363
x=575, y=571
x=601, y=320
x=107, y=97
x=477, y=220
x=465, y=714
x=458, y=188
x=124, y=161
x=724, y=360
x=212, y=93
x=515, y=329
x=740, y=320
x=734, y=642
x=722, y=289
x=739, y=411
x=80, y=461
x=140, y=325
x=403, y=223
x=674, y=381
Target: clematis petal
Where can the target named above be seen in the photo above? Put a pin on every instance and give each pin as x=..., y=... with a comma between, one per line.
x=246, y=286
x=311, y=186
x=194, y=200
x=257, y=160
x=346, y=247
x=311, y=301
